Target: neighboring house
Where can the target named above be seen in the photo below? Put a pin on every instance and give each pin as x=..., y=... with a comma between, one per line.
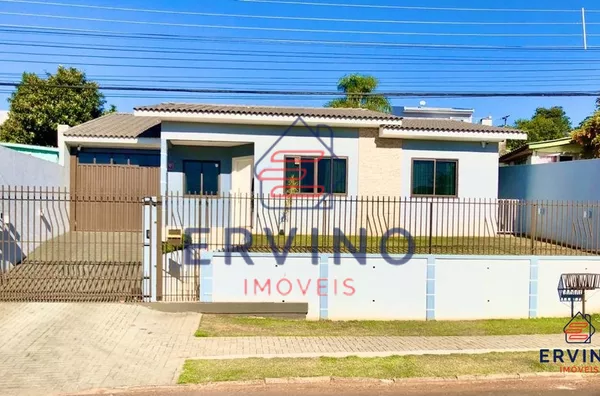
x=189, y=149
x=449, y=113
x=42, y=152
x=548, y=151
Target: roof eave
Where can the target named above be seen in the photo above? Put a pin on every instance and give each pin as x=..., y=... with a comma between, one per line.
x=112, y=142
x=261, y=119
x=472, y=136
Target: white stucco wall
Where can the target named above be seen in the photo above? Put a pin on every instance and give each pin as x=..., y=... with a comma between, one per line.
x=32, y=209
x=481, y=289
x=425, y=287
x=548, y=277
x=267, y=281
x=382, y=291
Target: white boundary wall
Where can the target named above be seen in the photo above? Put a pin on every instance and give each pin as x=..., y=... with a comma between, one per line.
x=426, y=287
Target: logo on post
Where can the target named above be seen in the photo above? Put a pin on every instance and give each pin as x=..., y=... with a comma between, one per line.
x=287, y=170
x=579, y=330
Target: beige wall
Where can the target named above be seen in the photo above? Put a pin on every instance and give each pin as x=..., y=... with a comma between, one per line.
x=379, y=164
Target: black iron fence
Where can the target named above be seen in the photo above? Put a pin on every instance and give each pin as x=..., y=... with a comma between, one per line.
x=373, y=224
x=58, y=246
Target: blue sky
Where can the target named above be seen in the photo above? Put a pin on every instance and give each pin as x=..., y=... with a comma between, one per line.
x=223, y=57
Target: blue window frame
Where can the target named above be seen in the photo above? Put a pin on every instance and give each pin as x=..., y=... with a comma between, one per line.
x=201, y=177
x=313, y=175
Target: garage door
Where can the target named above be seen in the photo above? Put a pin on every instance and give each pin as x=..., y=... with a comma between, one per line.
x=106, y=197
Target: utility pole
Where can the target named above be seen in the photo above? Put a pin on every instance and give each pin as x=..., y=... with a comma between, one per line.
x=584, y=28
x=505, y=118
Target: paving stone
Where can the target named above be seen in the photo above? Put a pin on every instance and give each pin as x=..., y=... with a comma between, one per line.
x=69, y=347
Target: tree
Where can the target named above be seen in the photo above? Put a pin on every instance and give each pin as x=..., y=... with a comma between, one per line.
x=358, y=89
x=588, y=135
x=39, y=105
x=546, y=124
x=590, y=116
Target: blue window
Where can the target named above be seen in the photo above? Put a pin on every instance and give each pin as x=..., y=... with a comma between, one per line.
x=201, y=177
x=310, y=175
x=434, y=177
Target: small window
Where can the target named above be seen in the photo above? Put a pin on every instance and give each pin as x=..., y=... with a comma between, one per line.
x=310, y=175
x=120, y=159
x=434, y=177
x=86, y=158
x=201, y=177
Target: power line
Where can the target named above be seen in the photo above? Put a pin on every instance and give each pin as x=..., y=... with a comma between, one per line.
x=325, y=93
x=395, y=7
x=397, y=62
x=229, y=39
x=289, y=30
x=288, y=54
x=278, y=17
x=316, y=85
x=332, y=81
x=278, y=69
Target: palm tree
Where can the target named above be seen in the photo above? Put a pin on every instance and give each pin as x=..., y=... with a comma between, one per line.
x=358, y=89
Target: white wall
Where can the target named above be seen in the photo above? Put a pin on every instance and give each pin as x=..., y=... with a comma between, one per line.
x=548, y=276
x=33, y=210
x=267, y=281
x=481, y=289
x=382, y=291
x=441, y=288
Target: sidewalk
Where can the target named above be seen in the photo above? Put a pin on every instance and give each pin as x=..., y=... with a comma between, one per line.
x=69, y=347
x=268, y=347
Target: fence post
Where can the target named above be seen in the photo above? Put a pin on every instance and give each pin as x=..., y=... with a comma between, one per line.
x=159, y=252
x=149, y=261
x=533, y=226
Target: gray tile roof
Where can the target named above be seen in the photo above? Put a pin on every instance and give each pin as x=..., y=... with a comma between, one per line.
x=449, y=126
x=271, y=110
x=119, y=125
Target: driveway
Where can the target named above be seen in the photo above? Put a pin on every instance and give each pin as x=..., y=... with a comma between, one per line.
x=52, y=347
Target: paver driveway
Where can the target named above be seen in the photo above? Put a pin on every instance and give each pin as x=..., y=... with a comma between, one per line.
x=52, y=347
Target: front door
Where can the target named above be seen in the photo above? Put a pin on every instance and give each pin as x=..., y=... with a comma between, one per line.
x=242, y=176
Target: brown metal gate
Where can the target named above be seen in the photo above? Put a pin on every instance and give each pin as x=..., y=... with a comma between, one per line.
x=118, y=188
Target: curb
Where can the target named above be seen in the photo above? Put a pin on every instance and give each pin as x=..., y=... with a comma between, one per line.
x=346, y=380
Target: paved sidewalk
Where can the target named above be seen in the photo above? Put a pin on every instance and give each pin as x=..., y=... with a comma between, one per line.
x=48, y=348
x=268, y=347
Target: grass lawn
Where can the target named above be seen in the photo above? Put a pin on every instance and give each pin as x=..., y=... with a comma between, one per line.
x=200, y=371
x=237, y=326
x=498, y=245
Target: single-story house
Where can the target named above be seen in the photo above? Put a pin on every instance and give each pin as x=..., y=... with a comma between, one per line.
x=199, y=149
x=544, y=152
